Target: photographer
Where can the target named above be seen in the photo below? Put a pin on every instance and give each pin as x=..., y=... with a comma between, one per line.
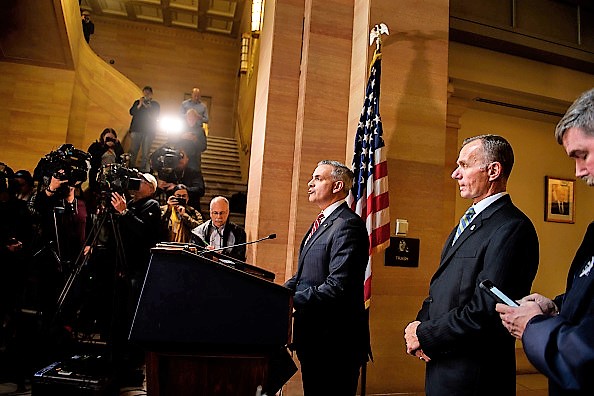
x=63, y=219
x=138, y=225
x=172, y=169
x=104, y=151
x=177, y=217
x=144, y=112
x=87, y=25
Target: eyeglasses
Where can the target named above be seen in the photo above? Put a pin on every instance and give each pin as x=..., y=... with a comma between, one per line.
x=218, y=213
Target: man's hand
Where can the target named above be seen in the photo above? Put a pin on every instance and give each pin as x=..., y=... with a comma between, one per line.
x=13, y=245
x=189, y=136
x=55, y=184
x=172, y=201
x=118, y=202
x=413, y=347
x=410, y=337
x=514, y=319
x=165, y=186
x=546, y=305
x=174, y=205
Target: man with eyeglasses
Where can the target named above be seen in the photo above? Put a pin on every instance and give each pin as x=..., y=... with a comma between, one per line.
x=558, y=334
x=219, y=232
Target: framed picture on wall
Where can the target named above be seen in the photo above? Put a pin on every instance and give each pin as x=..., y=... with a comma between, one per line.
x=559, y=200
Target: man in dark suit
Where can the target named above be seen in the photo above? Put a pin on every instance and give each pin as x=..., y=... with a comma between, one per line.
x=558, y=335
x=457, y=331
x=330, y=330
x=560, y=204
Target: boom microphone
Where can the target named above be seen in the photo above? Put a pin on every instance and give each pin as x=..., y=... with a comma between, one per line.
x=271, y=236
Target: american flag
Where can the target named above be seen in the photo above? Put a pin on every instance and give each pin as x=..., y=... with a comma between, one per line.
x=369, y=196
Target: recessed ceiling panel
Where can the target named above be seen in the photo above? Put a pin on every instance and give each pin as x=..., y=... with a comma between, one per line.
x=113, y=7
x=213, y=16
x=193, y=4
x=223, y=7
x=185, y=19
x=219, y=25
x=148, y=13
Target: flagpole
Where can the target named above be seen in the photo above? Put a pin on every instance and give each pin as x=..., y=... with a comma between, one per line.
x=358, y=197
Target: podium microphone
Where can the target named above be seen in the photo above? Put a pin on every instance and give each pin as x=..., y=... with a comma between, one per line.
x=271, y=236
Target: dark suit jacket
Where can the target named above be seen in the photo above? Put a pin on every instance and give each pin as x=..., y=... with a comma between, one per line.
x=328, y=286
x=562, y=347
x=556, y=208
x=471, y=352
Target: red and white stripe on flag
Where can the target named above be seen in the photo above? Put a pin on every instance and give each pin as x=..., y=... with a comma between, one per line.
x=369, y=196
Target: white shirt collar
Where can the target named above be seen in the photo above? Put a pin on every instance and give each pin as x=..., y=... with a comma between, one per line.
x=328, y=211
x=484, y=203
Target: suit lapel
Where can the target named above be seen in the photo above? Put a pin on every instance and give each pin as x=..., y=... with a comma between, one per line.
x=319, y=232
x=472, y=228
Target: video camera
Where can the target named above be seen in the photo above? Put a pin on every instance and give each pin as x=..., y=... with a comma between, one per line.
x=65, y=163
x=165, y=159
x=118, y=178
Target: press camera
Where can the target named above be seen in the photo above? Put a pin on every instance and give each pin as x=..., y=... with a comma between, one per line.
x=65, y=163
x=165, y=159
x=118, y=178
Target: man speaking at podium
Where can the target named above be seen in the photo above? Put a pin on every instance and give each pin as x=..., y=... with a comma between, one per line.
x=330, y=332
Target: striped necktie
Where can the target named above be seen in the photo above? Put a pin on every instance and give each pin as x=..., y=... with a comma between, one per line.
x=315, y=225
x=464, y=221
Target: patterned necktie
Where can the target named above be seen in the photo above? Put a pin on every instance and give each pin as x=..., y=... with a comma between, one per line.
x=316, y=225
x=464, y=221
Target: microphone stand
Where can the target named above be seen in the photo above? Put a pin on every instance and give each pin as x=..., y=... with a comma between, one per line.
x=271, y=236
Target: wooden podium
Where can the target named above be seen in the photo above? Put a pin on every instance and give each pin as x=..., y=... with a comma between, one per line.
x=211, y=325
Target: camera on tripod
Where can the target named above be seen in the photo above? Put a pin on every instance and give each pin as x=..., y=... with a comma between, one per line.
x=118, y=178
x=65, y=163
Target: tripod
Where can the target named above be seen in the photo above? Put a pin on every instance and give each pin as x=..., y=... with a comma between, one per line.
x=106, y=218
x=55, y=252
